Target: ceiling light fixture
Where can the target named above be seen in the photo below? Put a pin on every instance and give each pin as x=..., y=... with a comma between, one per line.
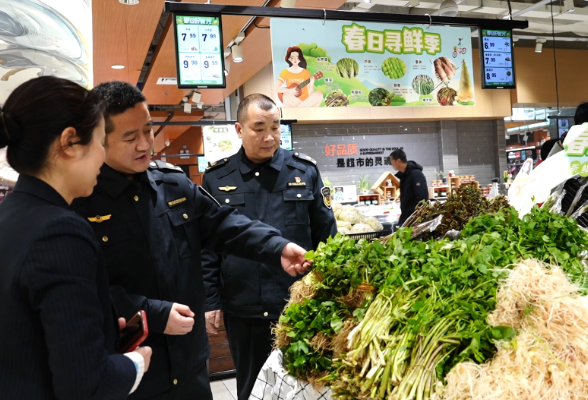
x=367, y=1
x=237, y=51
x=117, y=66
x=569, y=6
x=448, y=8
x=129, y=2
x=539, y=45
x=288, y=3
x=227, y=67
x=187, y=108
x=196, y=97
x=240, y=37
x=227, y=52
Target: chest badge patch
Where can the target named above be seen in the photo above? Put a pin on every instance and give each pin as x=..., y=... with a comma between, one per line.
x=100, y=218
x=227, y=188
x=176, y=202
x=326, y=192
x=297, y=182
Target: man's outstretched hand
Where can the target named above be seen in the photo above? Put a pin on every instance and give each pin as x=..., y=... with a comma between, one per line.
x=293, y=260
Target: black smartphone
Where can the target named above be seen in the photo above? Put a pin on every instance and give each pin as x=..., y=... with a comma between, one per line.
x=133, y=333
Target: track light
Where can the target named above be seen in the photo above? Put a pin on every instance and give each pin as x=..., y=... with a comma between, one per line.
x=227, y=67
x=187, y=108
x=539, y=45
x=196, y=97
x=569, y=6
x=367, y=1
x=237, y=53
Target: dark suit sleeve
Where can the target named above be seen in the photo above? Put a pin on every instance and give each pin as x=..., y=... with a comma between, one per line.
x=322, y=219
x=211, y=270
x=61, y=275
x=128, y=304
x=419, y=186
x=225, y=231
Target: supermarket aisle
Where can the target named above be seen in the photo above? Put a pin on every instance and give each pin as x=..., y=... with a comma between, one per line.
x=224, y=390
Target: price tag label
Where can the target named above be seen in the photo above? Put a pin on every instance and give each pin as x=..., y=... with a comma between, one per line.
x=499, y=76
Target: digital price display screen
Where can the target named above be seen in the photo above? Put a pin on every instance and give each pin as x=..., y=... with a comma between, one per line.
x=497, y=61
x=199, y=51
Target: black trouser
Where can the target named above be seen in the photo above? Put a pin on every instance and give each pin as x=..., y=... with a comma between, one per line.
x=250, y=342
x=196, y=388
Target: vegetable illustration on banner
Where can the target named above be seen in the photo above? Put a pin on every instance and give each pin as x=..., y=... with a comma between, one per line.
x=348, y=64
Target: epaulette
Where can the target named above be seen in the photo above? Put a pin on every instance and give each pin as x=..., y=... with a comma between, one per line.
x=305, y=157
x=164, y=166
x=216, y=164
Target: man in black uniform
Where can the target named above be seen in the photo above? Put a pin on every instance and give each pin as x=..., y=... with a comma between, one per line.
x=153, y=222
x=282, y=189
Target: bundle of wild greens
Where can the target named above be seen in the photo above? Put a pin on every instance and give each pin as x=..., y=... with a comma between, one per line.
x=463, y=204
x=399, y=315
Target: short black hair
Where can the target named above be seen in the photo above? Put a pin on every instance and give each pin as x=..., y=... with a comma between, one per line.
x=37, y=112
x=581, y=115
x=399, y=154
x=546, y=148
x=119, y=97
x=260, y=100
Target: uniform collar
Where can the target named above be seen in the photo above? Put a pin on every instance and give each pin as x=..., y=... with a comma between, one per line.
x=37, y=187
x=114, y=182
x=246, y=166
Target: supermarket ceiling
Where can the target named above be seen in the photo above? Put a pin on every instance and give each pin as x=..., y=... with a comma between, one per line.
x=139, y=37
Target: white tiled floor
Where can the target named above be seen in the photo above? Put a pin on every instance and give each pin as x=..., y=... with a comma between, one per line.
x=224, y=390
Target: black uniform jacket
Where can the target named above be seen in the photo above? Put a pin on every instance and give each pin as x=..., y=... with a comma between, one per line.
x=284, y=193
x=152, y=232
x=413, y=189
x=59, y=332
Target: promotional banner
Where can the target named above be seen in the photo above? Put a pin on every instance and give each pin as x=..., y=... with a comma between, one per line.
x=343, y=63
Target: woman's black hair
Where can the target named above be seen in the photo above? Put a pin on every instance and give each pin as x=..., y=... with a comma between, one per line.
x=37, y=112
x=297, y=49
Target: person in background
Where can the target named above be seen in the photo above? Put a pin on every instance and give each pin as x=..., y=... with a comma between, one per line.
x=152, y=222
x=545, y=149
x=413, y=184
x=280, y=188
x=59, y=331
x=580, y=117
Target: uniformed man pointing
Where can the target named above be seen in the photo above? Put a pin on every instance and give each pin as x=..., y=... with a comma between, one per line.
x=282, y=189
x=152, y=222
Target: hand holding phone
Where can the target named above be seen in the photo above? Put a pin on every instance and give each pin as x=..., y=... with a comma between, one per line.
x=133, y=333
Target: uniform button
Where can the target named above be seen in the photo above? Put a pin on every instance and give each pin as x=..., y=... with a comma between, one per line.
x=136, y=198
x=105, y=239
x=185, y=216
x=227, y=201
x=257, y=174
x=298, y=195
x=175, y=381
x=265, y=314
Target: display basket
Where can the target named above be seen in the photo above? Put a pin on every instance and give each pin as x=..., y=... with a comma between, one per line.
x=369, y=235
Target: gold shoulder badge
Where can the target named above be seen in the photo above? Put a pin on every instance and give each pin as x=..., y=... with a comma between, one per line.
x=100, y=218
x=326, y=192
x=176, y=202
x=227, y=188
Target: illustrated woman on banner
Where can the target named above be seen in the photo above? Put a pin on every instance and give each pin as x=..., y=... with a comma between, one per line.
x=295, y=85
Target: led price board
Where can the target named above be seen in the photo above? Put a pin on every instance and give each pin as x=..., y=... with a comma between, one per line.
x=496, y=52
x=199, y=51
